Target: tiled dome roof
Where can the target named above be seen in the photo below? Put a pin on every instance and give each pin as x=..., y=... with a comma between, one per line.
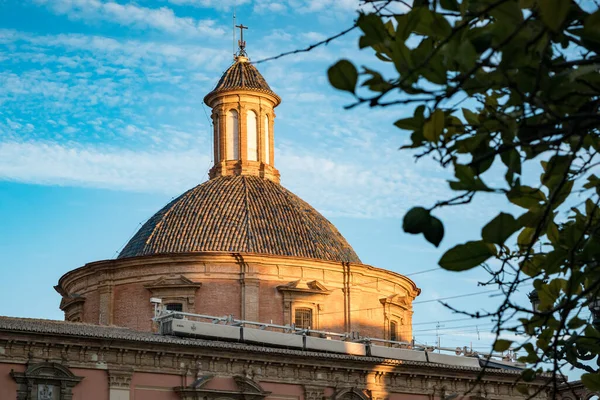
x=245, y=214
x=242, y=75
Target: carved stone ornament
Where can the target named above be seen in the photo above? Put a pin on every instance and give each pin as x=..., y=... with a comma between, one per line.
x=45, y=381
x=302, y=293
x=351, y=394
x=119, y=379
x=314, y=392
x=175, y=289
x=247, y=390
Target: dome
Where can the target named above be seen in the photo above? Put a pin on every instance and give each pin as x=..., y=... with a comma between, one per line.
x=240, y=214
x=242, y=75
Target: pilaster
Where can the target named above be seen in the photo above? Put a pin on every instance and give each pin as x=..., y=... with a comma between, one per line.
x=119, y=384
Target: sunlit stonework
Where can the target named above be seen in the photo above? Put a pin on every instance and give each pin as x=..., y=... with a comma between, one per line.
x=246, y=259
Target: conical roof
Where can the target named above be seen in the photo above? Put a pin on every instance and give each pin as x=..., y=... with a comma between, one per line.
x=240, y=214
x=242, y=75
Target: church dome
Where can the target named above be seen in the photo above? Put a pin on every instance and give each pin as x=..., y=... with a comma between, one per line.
x=242, y=75
x=240, y=214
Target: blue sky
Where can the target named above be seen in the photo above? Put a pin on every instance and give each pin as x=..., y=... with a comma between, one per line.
x=102, y=123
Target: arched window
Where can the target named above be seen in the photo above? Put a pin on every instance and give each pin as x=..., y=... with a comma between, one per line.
x=393, y=330
x=232, y=137
x=217, y=139
x=303, y=318
x=267, y=140
x=252, y=137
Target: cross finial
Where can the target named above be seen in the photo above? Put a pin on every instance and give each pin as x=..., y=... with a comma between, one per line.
x=241, y=42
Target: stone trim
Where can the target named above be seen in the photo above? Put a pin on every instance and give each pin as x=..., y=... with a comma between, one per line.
x=45, y=381
x=175, y=290
x=247, y=390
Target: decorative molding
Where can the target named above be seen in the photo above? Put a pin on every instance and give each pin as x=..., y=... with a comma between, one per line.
x=247, y=390
x=175, y=289
x=119, y=378
x=45, y=381
x=352, y=393
x=314, y=392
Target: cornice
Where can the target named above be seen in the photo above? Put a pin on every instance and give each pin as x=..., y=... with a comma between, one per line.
x=208, y=257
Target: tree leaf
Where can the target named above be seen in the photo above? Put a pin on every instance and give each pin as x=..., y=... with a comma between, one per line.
x=373, y=28
x=451, y=5
x=525, y=196
x=419, y=220
x=554, y=12
x=343, y=76
x=502, y=345
x=591, y=381
x=434, y=232
x=434, y=127
x=415, y=220
x=499, y=229
x=528, y=375
x=467, y=256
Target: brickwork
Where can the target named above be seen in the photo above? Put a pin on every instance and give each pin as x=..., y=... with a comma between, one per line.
x=259, y=288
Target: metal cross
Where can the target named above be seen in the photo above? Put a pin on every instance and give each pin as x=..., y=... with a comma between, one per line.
x=241, y=42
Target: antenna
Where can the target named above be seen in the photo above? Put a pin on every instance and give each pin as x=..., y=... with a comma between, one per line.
x=233, y=31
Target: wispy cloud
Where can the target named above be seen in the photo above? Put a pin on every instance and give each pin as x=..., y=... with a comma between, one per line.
x=217, y=4
x=334, y=186
x=54, y=164
x=133, y=15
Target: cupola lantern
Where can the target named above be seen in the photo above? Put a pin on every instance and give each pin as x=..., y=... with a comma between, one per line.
x=243, y=106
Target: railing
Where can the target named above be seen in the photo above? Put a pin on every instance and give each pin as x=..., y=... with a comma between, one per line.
x=165, y=317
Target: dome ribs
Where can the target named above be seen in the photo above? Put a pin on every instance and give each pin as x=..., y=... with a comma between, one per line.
x=244, y=214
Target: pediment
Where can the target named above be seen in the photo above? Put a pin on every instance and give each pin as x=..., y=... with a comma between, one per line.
x=398, y=299
x=304, y=286
x=247, y=389
x=70, y=300
x=165, y=282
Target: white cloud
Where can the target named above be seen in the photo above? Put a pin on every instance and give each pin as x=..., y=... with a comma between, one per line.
x=162, y=18
x=53, y=164
x=217, y=4
x=353, y=189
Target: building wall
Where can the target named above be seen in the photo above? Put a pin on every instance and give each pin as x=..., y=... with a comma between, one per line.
x=8, y=387
x=94, y=385
x=253, y=287
x=148, y=386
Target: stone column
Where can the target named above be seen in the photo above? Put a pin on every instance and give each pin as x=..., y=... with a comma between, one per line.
x=119, y=384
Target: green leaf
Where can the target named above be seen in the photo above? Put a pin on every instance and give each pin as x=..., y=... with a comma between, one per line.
x=415, y=220
x=451, y=5
x=434, y=126
x=434, y=232
x=554, y=12
x=562, y=194
x=525, y=196
x=409, y=124
x=508, y=12
x=471, y=117
x=525, y=237
x=502, y=345
x=419, y=220
x=528, y=375
x=373, y=28
x=467, y=256
x=499, y=229
x=591, y=381
x=343, y=76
